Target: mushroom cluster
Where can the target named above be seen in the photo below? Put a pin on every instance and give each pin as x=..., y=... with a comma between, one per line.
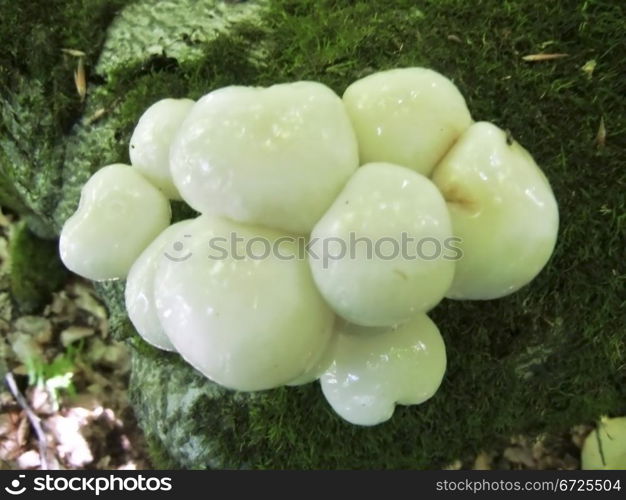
x=395, y=165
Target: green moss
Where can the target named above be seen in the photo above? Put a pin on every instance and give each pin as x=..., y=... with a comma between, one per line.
x=36, y=270
x=159, y=457
x=548, y=357
x=544, y=359
x=38, y=98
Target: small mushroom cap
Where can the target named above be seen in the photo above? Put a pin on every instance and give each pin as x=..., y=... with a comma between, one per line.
x=502, y=209
x=407, y=116
x=605, y=447
x=149, y=148
x=119, y=214
x=379, y=253
x=273, y=156
x=246, y=317
x=139, y=292
x=373, y=369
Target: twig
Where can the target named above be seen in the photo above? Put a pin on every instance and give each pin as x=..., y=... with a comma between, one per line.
x=34, y=419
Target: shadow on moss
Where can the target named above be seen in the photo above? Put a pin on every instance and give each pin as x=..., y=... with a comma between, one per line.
x=36, y=269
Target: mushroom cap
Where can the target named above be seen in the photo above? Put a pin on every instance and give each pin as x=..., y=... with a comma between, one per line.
x=379, y=254
x=605, y=446
x=273, y=156
x=246, y=321
x=149, y=147
x=373, y=369
x=119, y=214
x=139, y=291
x=407, y=116
x=502, y=209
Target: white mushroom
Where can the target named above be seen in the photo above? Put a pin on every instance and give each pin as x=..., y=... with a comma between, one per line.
x=375, y=369
x=139, y=292
x=150, y=143
x=273, y=156
x=317, y=369
x=380, y=251
x=605, y=447
x=247, y=317
x=502, y=209
x=408, y=116
x=119, y=214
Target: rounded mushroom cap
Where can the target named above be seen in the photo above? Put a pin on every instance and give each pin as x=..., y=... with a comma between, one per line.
x=379, y=253
x=119, y=214
x=149, y=147
x=605, y=447
x=373, y=369
x=407, y=116
x=273, y=156
x=247, y=317
x=503, y=211
x=139, y=291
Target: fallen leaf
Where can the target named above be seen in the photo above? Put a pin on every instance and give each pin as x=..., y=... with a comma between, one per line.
x=483, y=461
x=98, y=113
x=518, y=455
x=80, y=80
x=40, y=329
x=6, y=424
x=543, y=57
x=74, y=52
x=74, y=334
x=40, y=400
x=601, y=135
x=22, y=432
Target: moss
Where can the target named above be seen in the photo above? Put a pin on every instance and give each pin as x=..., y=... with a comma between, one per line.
x=38, y=99
x=159, y=457
x=548, y=357
x=36, y=270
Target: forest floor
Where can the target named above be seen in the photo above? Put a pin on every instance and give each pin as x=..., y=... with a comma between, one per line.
x=69, y=408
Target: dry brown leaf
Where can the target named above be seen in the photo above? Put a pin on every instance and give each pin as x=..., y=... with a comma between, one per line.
x=80, y=79
x=98, y=113
x=7, y=424
x=23, y=431
x=518, y=455
x=41, y=401
x=9, y=449
x=483, y=461
x=75, y=334
x=39, y=328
